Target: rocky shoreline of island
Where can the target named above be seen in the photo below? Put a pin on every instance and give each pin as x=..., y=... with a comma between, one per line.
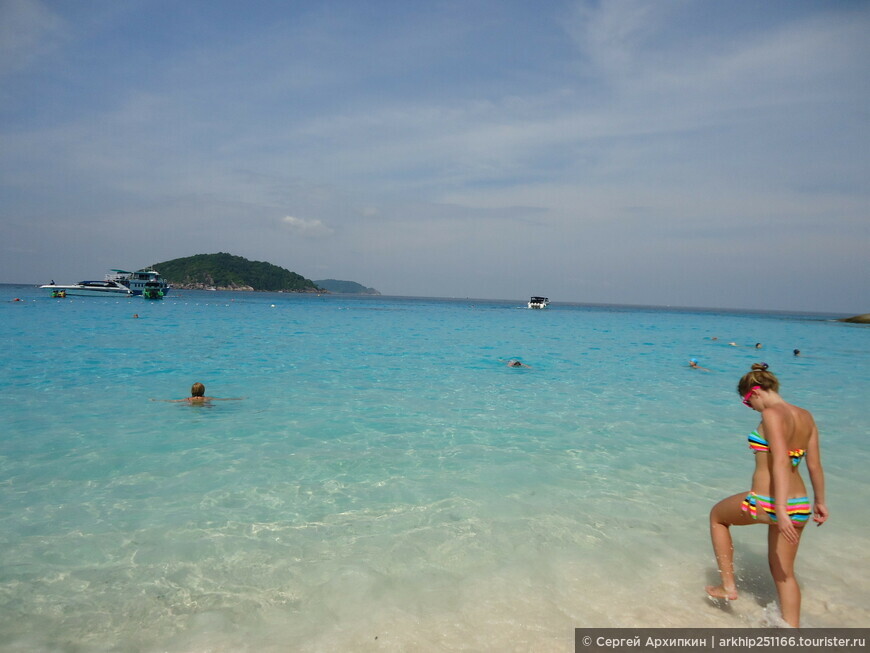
x=241, y=288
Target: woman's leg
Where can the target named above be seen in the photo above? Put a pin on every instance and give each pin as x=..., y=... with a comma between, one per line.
x=725, y=514
x=780, y=556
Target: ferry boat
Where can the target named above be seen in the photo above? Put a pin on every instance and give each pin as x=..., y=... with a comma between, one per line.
x=148, y=283
x=89, y=288
x=539, y=302
x=142, y=282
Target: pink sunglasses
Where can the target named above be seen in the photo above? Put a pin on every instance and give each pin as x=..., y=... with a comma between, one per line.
x=749, y=394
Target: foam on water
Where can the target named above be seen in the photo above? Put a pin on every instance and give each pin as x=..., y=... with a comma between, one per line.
x=388, y=483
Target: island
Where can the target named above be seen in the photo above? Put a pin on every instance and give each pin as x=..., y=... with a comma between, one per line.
x=346, y=287
x=224, y=271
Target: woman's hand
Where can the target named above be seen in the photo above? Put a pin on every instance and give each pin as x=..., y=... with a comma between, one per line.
x=787, y=529
x=820, y=513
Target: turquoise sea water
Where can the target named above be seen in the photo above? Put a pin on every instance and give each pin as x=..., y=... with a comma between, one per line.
x=388, y=483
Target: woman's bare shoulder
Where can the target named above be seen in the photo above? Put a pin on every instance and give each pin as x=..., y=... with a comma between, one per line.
x=802, y=415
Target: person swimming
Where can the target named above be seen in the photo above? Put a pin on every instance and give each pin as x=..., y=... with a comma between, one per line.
x=786, y=436
x=197, y=396
x=693, y=363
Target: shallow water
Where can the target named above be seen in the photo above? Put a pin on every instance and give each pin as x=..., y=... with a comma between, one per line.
x=388, y=483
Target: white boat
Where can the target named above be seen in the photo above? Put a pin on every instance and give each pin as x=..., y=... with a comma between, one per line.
x=89, y=289
x=539, y=302
x=147, y=282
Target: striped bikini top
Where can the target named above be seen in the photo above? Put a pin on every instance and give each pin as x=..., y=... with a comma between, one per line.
x=758, y=443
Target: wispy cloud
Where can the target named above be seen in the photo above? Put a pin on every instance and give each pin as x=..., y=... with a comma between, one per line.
x=28, y=30
x=307, y=228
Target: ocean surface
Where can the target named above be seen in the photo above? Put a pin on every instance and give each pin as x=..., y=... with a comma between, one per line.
x=388, y=483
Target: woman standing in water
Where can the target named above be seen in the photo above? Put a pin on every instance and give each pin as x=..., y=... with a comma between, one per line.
x=786, y=435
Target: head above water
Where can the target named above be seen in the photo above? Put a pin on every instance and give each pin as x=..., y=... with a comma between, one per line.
x=197, y=390
x=758, y=376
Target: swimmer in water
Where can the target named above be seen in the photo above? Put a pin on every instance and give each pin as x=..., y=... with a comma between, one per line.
x=693, y=363
x=515, y=363
x=197, y=396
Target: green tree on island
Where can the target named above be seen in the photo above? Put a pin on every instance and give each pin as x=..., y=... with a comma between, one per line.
x=223, y=270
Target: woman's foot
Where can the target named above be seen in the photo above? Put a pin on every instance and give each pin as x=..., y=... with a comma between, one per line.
x=719, y=592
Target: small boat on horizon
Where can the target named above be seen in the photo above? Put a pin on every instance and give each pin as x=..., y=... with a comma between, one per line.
x=539, y=302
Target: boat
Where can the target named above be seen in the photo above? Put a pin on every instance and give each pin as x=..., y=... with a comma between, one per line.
x=141, y=282
x=539, y=302
x=89, y=289
x=152, y=290
x=147, y=283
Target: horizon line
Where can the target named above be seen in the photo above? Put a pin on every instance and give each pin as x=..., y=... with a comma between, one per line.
x=556, y=302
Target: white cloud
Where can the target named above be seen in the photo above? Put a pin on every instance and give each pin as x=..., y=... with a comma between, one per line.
x=307, y=228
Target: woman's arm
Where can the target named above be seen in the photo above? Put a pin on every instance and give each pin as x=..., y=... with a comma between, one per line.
x=774, y=433
x=817, y=477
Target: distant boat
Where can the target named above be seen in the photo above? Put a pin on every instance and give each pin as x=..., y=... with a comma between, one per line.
x=141, y=282
x=148, y=283
x=539, y=302
x=152, y=290
x=89, y=289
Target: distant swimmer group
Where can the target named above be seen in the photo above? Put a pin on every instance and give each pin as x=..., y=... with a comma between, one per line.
x=693, y=362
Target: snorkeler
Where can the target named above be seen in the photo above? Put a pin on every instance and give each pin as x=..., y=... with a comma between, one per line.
x=786, y=435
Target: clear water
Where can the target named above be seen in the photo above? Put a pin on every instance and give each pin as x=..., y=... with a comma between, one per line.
x=388, y=483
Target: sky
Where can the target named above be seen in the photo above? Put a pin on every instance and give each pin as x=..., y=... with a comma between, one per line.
x=671, y=152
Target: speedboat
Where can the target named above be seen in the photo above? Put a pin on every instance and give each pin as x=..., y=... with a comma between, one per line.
x=539, y=302
x=141, y=282
x=89, y=289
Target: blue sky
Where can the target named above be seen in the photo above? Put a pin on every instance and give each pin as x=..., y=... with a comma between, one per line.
x=685, y=153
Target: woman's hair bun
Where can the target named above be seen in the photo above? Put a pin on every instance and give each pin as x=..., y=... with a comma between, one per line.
x=760, y=367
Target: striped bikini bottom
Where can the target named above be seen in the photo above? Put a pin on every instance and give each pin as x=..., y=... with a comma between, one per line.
x=799, y=510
